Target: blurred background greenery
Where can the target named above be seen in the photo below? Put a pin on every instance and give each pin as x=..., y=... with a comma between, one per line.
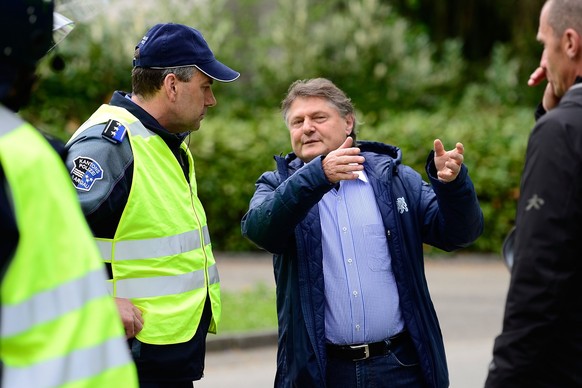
x=415, y=70
x=251, y=309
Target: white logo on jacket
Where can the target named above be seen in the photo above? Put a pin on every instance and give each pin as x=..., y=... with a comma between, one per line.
x=401, y=205
x=535, y=202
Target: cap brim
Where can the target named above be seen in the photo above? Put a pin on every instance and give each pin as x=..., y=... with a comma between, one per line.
x=218, y=71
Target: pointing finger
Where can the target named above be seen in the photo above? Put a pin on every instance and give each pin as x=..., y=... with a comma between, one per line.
x=439, y=149
x=460, y=148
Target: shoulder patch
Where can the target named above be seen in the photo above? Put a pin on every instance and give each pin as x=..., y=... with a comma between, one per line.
x=114, y=131
x=85, y=172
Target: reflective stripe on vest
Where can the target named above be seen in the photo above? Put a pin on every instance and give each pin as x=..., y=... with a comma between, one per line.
x=163, y=285
x=77, y=365
x=49, y=305
x=154, y=247
x=9, y=121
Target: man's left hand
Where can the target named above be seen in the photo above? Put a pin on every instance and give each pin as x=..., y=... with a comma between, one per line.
x=448, y=163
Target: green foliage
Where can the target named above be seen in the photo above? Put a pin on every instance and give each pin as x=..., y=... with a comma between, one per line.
x=98, y=60
x=406, y=92
x=377, y=57
x=94, y=69
x=252, y=309
x=230, y=154
x=494, y=140
x=501, y=83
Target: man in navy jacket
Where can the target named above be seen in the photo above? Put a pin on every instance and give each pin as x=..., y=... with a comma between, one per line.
x=352, y=298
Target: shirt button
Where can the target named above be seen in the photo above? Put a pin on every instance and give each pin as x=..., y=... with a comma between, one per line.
x=357, y=327
x=350, y=260
x=339, y=199
x=345, y=229
x=355, y=293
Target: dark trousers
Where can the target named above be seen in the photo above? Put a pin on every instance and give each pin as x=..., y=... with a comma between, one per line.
x=175, y=365
x=398, y=369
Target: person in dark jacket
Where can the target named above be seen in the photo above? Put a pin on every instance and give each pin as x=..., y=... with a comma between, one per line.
x=541, y=341
x=346, y=225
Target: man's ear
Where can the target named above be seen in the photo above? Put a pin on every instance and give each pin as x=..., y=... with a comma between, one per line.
x=349, y=123
x=169, y=86
x=571, y=41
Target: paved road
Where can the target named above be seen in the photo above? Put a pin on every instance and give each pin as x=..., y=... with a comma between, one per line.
x=468, y=292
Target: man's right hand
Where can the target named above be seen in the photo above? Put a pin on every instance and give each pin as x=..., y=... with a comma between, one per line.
x=130, y=316
x=550, y=100
x=341, y=164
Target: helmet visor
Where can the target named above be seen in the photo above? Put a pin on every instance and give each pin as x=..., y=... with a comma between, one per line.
x=62, y=26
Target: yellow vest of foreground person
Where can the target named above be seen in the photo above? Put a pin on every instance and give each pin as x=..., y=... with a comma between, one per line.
x=161, y=255
x=58, y=325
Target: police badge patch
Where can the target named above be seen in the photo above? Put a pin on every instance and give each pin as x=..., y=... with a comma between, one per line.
x=85, y=172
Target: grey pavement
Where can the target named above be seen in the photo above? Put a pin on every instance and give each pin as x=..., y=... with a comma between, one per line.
x=468, y=292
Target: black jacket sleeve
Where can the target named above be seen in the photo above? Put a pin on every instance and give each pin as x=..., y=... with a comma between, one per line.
x=544, y=293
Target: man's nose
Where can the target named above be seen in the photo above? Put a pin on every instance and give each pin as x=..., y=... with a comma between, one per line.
x=308, y=125
x=543, y=59
x=210, y=99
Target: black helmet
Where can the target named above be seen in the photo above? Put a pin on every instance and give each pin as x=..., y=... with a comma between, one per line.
x=25, y=30
x=25, y=37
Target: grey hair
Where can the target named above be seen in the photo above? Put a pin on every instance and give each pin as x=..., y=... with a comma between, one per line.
x=324, y=88
x=564, y=14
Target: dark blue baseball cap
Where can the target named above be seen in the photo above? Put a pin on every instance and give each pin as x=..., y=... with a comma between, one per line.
x=176, y=45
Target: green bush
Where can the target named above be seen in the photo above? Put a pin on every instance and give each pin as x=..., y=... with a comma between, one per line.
x=408, y=95
x=494, y=141
x=376, y=56
x=231, y=154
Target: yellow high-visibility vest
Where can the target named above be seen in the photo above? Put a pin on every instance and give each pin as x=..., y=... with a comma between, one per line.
x=58, y=325
x=161, y=255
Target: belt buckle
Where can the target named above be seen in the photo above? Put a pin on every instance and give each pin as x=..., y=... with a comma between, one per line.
x=366, y=351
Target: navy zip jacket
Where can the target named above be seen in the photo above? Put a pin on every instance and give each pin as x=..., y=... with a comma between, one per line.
x=283, y=219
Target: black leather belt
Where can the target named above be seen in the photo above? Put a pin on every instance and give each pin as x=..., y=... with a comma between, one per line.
x=364, y=351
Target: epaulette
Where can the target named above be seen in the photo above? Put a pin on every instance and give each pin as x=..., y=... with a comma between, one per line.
x=114, y=131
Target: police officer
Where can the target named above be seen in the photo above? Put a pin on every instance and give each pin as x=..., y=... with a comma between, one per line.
x=58, y=326
x=134, y=174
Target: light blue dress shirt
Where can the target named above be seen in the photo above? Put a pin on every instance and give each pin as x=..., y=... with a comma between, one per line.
x=362, y=303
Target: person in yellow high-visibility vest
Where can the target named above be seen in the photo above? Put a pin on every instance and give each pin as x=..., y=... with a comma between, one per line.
x=58, y=326
x=135, y=178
